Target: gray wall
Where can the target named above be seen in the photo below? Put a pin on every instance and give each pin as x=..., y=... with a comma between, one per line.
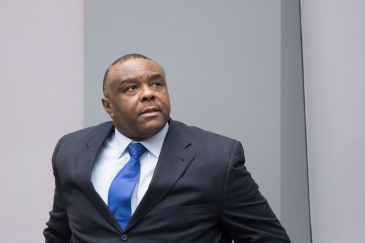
x=294, y=177
x=41, y=70
x=232, y=67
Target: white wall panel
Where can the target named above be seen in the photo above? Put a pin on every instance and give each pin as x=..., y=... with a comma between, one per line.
x=334, y=75
x=41, y=70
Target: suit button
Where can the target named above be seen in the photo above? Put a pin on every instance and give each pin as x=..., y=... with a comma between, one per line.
x=124, y=237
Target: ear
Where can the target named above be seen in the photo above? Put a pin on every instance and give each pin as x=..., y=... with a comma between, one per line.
x=107, y=106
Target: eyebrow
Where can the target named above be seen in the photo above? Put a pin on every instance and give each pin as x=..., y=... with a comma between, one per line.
x=155, y=76
x=133, y=79
x=128, y=80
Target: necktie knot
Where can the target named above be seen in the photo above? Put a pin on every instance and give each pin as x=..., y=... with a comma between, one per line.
x=136, y=149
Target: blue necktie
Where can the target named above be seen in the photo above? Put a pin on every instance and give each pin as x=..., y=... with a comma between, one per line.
x=120, y=191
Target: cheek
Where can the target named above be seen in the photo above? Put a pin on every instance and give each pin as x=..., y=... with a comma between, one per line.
x=126, y=109
x=166, y=102
x=117, y=109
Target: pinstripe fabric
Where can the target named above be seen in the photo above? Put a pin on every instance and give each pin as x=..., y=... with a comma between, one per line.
x=200, y=192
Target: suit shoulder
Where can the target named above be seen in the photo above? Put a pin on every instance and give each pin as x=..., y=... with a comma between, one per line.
x=209, y=146
x=85, y=132
x=197, y=133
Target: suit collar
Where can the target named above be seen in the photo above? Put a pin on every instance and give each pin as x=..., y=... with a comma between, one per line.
x=99, y=134
x=85, y=161
x=174, y=159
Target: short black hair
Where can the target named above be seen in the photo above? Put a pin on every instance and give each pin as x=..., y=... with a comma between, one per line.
x=120, y=60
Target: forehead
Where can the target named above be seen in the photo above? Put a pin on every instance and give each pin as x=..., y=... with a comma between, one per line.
x=134, y=68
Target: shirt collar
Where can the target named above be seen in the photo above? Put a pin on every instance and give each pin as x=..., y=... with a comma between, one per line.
x=153, y=145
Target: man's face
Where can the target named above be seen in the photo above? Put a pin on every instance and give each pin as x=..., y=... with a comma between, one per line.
x=137, y=99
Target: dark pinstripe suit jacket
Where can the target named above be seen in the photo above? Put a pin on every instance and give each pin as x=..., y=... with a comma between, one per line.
x=200, y=192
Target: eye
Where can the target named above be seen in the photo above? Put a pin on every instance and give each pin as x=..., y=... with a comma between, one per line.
x=156, y=84
x=132, y=87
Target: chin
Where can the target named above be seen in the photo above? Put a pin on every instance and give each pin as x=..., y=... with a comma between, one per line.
x=153, y=129
x=153, y=126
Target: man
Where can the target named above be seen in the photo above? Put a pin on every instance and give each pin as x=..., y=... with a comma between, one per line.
x=146, y=178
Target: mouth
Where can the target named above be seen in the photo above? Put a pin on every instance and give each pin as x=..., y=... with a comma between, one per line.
x=150, y=111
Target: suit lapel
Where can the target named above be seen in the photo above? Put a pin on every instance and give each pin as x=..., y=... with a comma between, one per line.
x=173, y=161
x=85, y=162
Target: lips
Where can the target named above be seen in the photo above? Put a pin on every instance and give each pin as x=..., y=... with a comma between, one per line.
x=149, y=110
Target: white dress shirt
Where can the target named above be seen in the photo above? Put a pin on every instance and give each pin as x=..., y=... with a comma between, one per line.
x=112, y=157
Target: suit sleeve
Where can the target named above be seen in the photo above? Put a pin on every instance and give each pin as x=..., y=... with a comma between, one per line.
x=58, y=230
x=246, y=215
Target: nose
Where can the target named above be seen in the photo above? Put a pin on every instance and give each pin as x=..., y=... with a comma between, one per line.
x=147, y=93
